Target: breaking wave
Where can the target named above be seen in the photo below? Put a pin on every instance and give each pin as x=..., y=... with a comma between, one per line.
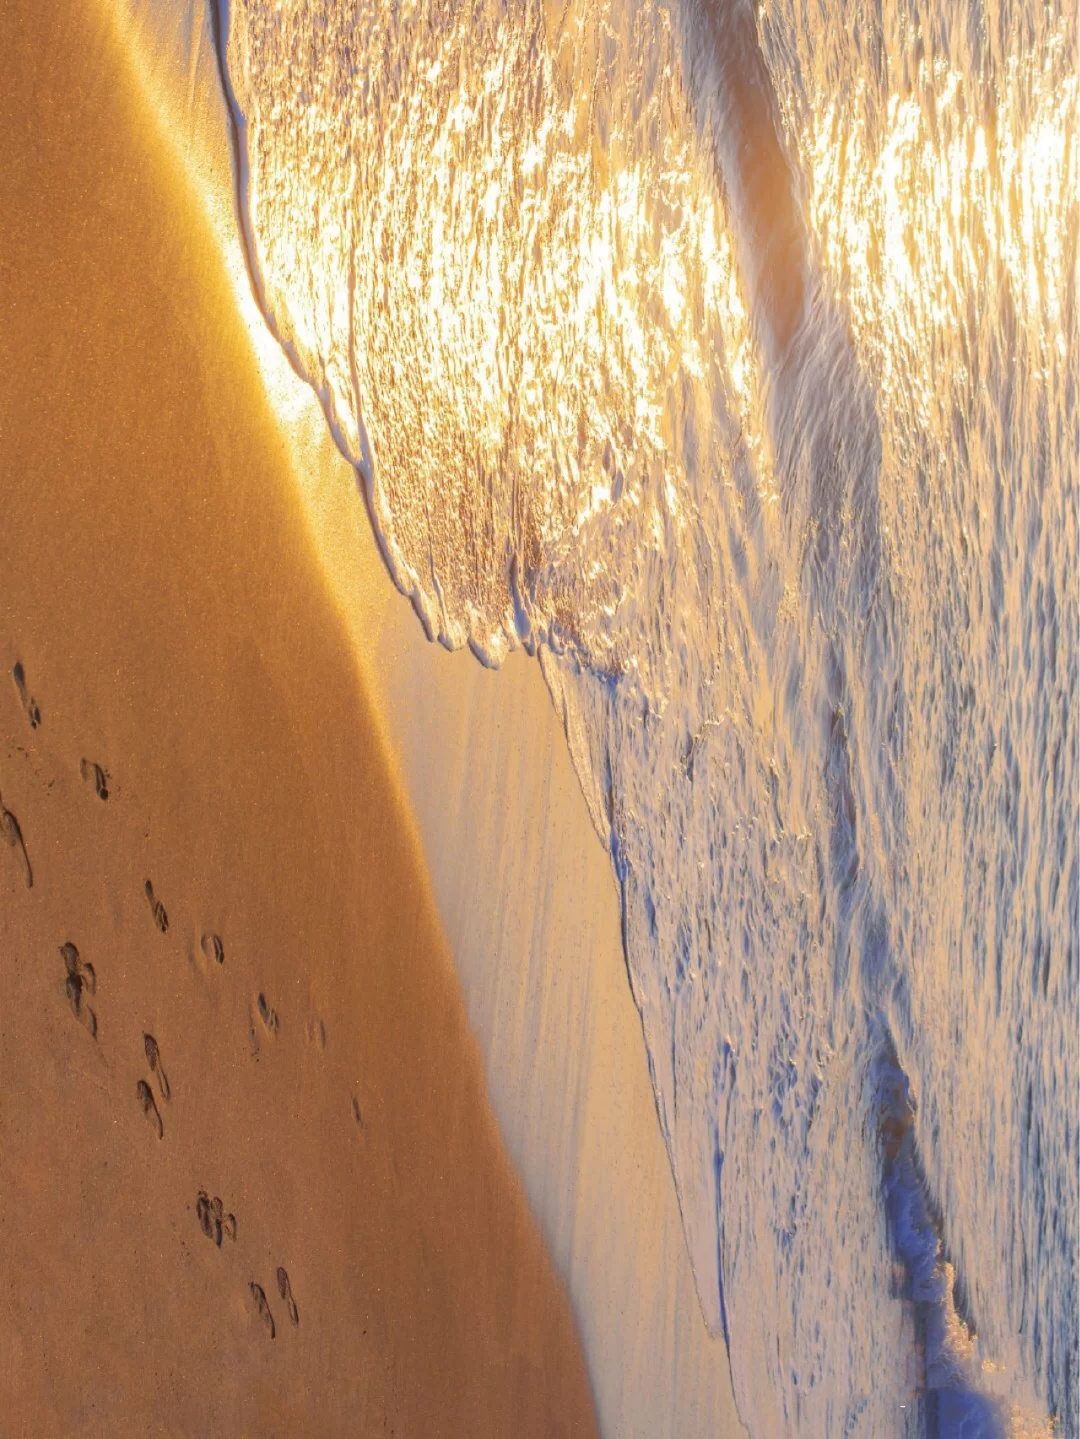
x=726, y=359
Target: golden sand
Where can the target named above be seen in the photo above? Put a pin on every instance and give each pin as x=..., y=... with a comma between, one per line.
x=257, y=1191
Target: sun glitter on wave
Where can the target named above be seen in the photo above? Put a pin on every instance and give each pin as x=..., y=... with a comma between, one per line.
x=914, y=229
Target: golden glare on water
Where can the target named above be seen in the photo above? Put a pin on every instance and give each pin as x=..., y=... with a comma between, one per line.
x=554, y=267
x=559, y=274
x=499, y=250
x=947, y=206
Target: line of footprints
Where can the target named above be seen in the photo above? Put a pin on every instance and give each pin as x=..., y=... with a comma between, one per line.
x=217, y=1225
x=145, y=1093
x=10, y=829
x=80, y=985
x=262, y=1307
x=214, y=1221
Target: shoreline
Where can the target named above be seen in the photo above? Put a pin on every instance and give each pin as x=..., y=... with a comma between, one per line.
x=524, y=890
x=252, y=1182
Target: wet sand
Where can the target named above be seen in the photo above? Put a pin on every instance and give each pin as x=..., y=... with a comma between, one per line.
x=522, y=885
x=250, y=1182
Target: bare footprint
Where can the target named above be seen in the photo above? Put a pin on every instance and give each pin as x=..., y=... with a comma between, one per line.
x=213, y=1221
x=153, y=1059
x=73, y=988
x=285, y=1290
x=91, y=771
x=76, y=965
x=83, y=1012
x=149, y=1106
x=81, y=980
x=317, y=1033
x=262, y=1308
x=213, y=948
x=268, y=1016
x=208, y=1222
x=11, y=831
x=161, y=919
x=27, y=700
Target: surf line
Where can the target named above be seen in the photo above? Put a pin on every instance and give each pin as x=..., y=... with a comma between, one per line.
x=738, y=115
x=949, y=1402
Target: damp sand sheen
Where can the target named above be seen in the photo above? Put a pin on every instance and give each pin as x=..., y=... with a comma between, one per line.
x=250, y=1179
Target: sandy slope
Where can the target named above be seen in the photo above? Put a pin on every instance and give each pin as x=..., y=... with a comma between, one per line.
x=524, y=889
x=158, y=587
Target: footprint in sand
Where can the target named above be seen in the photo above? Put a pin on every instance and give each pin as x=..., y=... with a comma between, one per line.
x=262, y=1309
x=157, y=909
x=316, y=1033
x=357, y=1113
x=268, y=1016
x=26, y=699
x=153, y=1059
x=149, y=1106
x=81, y=981
x=205, y=1216
x=285, y=1290
x=213, y=1220
x=12, y=832
x=91, y=771
x=78, y=968
x=213, y=948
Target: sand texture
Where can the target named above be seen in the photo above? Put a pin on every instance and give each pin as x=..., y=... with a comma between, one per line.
x=524, y=889
x=249, y=1179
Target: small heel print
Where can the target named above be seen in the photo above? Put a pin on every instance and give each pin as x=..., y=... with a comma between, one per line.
x=285, y=1290
x=149, y=1107
x=268, y=1015
x=204, y=1212
x=157, y=909
x=100, y=777
x=81, y=981
x=153, y=1059
x=258, y=1296
x=213, y=1221
x=11, y=831
x=213, y=948
x=26, y=699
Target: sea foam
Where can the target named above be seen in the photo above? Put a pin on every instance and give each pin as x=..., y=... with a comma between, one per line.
x=728, y=362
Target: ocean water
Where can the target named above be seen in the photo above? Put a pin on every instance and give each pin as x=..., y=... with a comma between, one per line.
x=726, y=358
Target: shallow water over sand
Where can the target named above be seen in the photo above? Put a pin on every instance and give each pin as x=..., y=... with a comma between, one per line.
x=731, y=365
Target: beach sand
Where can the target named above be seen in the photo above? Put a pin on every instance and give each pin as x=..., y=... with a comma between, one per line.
x=250, y=1181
